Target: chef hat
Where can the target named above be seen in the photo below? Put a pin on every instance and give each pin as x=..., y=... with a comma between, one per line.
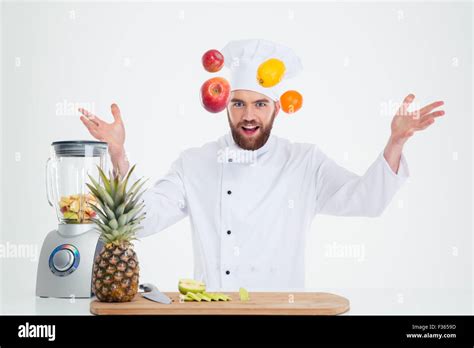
x=243, y=57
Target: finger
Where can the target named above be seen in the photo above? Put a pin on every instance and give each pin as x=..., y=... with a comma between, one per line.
x=406, y=103
x=432, y=114
x=426, y=109
x=116, y=112
x=93, y=131
x=425, y=124
x=91, y=126
x=90, y=116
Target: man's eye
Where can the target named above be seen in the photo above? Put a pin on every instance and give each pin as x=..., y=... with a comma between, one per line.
x=238, y=104
x=261, y=104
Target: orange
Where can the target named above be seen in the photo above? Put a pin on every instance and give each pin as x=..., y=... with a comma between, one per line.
x=291, y=101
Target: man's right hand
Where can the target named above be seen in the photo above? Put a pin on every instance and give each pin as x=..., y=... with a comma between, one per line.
x=112, y=133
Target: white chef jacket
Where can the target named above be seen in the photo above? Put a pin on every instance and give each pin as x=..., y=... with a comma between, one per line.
x=250, y=210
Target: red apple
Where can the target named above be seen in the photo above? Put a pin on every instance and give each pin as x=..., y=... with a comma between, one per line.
x=212, y=60
x=215, y=94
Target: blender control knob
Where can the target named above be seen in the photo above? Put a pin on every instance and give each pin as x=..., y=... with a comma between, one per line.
x=63, y=260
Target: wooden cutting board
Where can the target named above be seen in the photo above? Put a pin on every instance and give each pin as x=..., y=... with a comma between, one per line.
x=261, y=303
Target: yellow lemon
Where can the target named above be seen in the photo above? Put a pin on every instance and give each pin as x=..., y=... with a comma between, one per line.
x=270, y=72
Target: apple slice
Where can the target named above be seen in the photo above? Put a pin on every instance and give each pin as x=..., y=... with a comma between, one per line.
x=202, y=296
x=244, y=294
x=222, y=297
x=70, y=215
x=213, y=297
x=186, y=298
x=193, y=297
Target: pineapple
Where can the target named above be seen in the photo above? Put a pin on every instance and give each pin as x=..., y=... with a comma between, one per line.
x=116, y=270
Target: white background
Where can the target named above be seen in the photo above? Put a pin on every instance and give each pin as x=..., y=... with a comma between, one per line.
x=360, y=60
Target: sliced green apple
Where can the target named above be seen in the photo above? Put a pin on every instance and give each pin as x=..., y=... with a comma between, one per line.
x=203, y=296
x=193, y=297
x=244, y=294
x=222, y=297
x=213, y=297
x=191, y=285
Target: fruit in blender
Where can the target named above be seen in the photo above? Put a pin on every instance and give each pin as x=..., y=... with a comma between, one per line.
x=77, y=208
x=119, y=213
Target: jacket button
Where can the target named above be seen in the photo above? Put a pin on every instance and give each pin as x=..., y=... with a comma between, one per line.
x=227, y=272
x=229, y=232
x=229, y=192
x=230, y=159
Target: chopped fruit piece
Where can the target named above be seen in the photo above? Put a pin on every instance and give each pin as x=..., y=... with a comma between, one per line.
x=193, y=296
x=213, y=297
x=74, y=206
x=70, y=215
x=78, y=208
x=202, y=296
x=244, y=295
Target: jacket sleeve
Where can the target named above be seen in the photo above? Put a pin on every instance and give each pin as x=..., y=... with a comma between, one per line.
x=341, y=192
x=165, y=201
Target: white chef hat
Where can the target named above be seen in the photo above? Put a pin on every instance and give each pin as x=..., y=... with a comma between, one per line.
x=243, y=57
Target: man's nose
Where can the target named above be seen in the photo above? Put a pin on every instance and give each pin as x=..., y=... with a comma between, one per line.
x=248, y=115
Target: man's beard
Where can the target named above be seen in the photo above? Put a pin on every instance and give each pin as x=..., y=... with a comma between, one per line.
x=254, y=142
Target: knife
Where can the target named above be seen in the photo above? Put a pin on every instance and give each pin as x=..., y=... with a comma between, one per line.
x=152, y=293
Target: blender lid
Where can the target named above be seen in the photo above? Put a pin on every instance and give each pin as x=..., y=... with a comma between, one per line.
x=79, y=148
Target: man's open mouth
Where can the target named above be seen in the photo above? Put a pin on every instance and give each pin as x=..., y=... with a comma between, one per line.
x=250, y=130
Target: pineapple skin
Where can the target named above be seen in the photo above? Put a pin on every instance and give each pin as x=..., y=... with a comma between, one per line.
x=115, y=275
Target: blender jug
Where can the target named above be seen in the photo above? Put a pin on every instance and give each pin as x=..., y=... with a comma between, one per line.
x=67, y=173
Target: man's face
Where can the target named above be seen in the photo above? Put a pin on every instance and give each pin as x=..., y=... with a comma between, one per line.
x=251, y=116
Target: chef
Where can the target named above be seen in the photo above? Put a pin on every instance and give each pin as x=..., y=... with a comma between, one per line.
x=250, y=195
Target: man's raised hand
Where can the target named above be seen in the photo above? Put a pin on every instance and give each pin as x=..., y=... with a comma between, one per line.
x=112, y=133
x=405, y=123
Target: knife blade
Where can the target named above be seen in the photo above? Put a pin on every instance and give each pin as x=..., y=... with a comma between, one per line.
x=152, y=293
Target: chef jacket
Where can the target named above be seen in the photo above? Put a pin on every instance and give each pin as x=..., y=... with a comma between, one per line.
x=250, y=210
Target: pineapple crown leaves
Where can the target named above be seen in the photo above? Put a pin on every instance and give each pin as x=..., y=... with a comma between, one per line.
x=119, y=210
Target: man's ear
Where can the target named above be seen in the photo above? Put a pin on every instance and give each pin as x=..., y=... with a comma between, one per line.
x=277, y=107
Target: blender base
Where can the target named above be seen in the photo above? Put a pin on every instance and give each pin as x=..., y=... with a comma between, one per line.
x=66, y=262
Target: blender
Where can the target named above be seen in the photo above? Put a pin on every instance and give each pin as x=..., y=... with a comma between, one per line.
x=67, y=255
